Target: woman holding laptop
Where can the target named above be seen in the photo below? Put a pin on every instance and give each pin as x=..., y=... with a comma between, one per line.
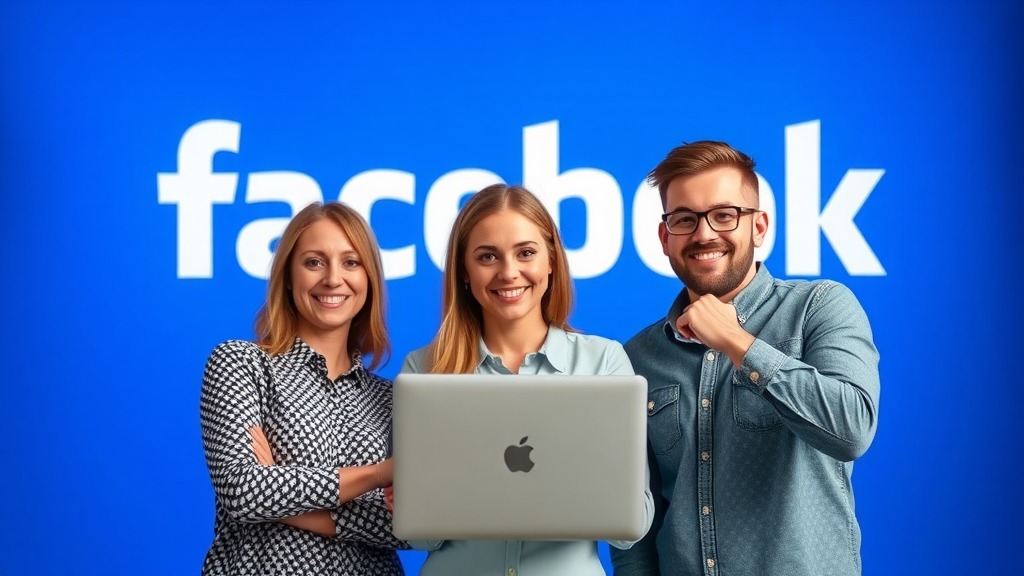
x=507, y=295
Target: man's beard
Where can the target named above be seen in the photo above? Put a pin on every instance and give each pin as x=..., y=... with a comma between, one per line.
x=718, y=284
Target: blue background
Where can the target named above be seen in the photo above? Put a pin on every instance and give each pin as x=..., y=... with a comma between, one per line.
x=103, y=345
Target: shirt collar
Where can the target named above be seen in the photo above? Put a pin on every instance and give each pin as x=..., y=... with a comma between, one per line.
x=748, y=299
x=753, y=294
x=554, y=349
x=301, y=354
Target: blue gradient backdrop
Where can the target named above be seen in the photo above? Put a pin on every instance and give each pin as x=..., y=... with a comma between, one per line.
x=103, y=345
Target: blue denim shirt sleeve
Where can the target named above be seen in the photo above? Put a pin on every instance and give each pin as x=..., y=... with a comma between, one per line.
x=828, y=396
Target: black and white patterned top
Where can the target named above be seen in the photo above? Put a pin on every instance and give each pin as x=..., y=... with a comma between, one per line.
x=314, y=426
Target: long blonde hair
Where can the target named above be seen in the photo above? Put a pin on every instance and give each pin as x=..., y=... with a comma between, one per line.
x=455, y=348
x=277, y=320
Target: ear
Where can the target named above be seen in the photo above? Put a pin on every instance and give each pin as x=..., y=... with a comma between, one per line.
x=760, y=228
x=663, y=236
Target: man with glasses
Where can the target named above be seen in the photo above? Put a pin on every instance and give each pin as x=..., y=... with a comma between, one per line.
x=761, y=393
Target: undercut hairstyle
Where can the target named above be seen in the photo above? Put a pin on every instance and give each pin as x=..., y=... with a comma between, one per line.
x=697, y=157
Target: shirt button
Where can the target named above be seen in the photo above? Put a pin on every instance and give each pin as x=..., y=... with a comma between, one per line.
x=511, y=572
x=705, y=455
x=650, y=406
x=705, y=403
x=705, y=510
x=710, y=356
x=754, y=377
x=711, y=562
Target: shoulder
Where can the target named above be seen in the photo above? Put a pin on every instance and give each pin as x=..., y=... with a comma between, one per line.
x=415, y=361
x=591, y=354
x=236, y=351
x=653, y=330
x=817, y=293
x=235, y=365
x=592, y=342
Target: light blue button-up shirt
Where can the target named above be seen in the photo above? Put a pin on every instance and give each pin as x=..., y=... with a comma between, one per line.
x=751, y=467
x=562, y=353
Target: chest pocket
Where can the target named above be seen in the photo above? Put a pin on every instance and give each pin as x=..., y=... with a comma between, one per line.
x=663, y=419
x=750, y=410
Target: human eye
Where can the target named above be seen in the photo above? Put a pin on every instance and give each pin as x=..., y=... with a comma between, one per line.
x=724, y=215
x=527, y=253
x=682, y=220
x=486, y=257
x=352, y=263
x=314, y=262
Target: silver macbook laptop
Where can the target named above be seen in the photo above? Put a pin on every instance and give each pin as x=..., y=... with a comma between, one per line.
x=519, y=457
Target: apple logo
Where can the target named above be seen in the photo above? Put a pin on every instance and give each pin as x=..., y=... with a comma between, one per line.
x=517, y=458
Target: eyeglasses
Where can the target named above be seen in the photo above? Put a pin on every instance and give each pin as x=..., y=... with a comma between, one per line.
x=723, y=219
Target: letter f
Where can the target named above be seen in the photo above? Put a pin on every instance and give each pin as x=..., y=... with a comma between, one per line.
x=194, y=188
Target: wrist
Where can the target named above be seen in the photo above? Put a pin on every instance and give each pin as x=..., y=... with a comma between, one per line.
x=739, y=346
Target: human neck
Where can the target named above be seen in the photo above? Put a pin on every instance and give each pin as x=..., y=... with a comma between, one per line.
x=334, y=348
x=512, y=341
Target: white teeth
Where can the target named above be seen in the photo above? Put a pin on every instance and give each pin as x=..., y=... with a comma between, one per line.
x=331, y=299
x=511, y=293
x=708, y=255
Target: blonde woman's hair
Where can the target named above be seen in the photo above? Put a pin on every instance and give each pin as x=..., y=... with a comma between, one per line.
x=277, y=321
x=455, y=348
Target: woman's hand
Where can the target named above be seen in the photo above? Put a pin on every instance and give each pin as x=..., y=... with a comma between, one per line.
x=385, y=473
x=261, y=446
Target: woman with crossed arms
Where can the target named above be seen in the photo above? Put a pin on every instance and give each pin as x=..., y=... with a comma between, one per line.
x=295, y=427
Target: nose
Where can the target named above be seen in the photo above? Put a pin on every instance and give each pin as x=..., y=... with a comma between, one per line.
x=335, y=275
x=704, y=232
x=509, y=269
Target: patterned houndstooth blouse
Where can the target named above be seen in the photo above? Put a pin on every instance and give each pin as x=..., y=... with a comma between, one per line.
x=314, y=425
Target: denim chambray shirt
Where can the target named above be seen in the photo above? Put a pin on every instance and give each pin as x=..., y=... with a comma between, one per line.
x=750, y=468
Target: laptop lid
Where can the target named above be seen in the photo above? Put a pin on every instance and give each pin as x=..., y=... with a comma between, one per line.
x=519, y=457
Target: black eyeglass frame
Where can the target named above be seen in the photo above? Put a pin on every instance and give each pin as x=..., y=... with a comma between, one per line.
x=740, y=211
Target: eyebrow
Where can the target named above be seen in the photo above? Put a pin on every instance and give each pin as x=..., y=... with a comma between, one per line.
x=323, y=254
x=712, y=207
x=516, y=245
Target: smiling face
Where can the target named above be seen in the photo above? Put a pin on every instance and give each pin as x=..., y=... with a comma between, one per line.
x=709, y=262
x=507, y=266
x=328, y=281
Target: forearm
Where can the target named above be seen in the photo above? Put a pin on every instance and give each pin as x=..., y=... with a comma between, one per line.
x=318, y=522
x=365, y=519
x=354, y=482
x=255, y=493
x=833, y=408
